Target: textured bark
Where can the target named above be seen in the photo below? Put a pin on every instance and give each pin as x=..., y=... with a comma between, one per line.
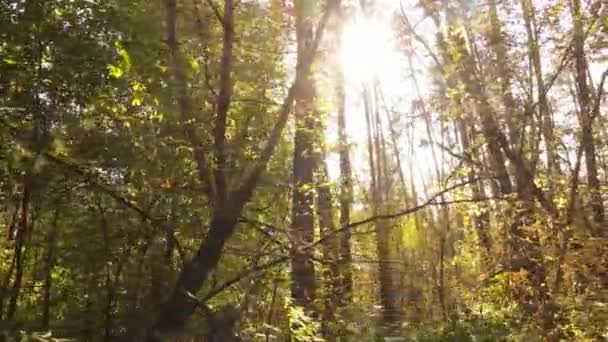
x=302, y=225
x=181, y=305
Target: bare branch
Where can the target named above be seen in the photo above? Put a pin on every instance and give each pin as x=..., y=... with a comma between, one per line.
x=419, y=38
x=281, y=259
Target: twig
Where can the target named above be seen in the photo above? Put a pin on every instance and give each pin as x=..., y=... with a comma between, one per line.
x=284, y=258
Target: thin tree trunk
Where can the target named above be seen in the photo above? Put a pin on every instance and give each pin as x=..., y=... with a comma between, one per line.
x=109, y=288
x=346, y=191
x=481, y=223
x=525, y=248
x=24, y=227
x=586, y=108
x=543, y=104
x=391, y=313
x=511, y=114
x=395, y=146
x=6, y=281
x=48, y=270
x=330, y=249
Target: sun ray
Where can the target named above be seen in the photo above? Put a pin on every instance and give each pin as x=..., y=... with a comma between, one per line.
x=368, y=51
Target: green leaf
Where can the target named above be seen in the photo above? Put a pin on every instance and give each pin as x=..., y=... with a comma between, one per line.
x=194, y=65
x=115, y=71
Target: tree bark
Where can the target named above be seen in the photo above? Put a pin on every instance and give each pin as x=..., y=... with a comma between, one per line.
x=182, y=304
x=391, y=312
x=331, y=249
x=543, y=104
x=24, y=227
x=586, y=112
x=346, y=191
x=497, y=43
x=302, y=225
x=48, y=270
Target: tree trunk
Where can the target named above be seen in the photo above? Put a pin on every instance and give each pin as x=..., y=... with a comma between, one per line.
x=20, y=240
x=302, y=225
x=48, y=270
x=327, y=227
x=511, y=114
x=543, y=105
x=6, y=281
x=525, y=249
x=346, y=191
x=391, y=312
x=586, y=112
x=481, y=223
x=181, y=304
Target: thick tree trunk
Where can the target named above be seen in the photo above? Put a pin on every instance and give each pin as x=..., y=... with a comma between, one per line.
x=182, y=304
x=302, y=225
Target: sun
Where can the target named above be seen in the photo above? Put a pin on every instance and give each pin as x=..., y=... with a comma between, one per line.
x=368, y=51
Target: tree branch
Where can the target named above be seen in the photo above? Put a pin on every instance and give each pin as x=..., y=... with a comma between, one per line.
x=251, y=178
x=281, y=259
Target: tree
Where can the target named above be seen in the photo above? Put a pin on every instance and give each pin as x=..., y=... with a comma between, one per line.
x=154, y=184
